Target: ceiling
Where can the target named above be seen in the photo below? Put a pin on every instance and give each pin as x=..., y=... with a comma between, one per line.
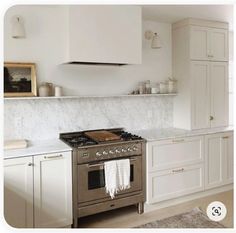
x=173, y=13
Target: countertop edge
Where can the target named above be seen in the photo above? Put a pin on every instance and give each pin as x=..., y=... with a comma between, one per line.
x=38, y=148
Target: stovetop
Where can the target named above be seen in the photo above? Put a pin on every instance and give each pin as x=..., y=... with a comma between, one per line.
x=79, y=139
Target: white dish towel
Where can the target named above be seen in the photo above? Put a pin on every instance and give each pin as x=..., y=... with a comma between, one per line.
x=117, y=176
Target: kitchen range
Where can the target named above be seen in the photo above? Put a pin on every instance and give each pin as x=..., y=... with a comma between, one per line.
x=91, y=150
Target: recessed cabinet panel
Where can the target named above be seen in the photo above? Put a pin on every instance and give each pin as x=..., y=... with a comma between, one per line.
x=169, y=153
x=214, y=160
x=219, y=158
x=200, y=74
x=219, y=94
x=199, y=43
x=52, y=190
x=219, y=44
x=18, y=192
x=176, y=182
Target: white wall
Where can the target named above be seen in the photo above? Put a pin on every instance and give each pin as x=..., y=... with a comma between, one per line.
x=45, y=45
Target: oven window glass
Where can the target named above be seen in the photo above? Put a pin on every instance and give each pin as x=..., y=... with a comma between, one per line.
x=96, y=179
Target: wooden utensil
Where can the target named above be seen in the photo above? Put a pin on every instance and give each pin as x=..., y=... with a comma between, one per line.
x=102, y=136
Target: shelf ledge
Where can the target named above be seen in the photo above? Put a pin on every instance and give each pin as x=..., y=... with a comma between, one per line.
x=84, y=96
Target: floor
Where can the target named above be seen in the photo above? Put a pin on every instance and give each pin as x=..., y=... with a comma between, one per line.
x=127, y=217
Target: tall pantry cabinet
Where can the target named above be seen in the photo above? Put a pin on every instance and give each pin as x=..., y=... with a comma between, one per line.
x=200, y=64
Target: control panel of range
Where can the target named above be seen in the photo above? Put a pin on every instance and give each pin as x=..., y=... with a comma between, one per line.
x=109, y=152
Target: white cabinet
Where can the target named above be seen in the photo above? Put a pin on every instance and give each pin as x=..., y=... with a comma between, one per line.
x=209, y=106
x=219, y=159
x=171, y=153
x=38, y=190
x=174, y=168
x=219, y=96
x=172, y=183
x=200, y=64
x=104, y=34
x=18, y=192
x=52, y=190
x=208, y=43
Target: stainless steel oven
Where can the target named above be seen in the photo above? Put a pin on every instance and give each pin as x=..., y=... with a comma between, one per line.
x=89, y=155
x=91, y=180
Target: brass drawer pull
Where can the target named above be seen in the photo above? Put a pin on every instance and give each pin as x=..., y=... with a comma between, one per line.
x=178, y=140
x=53, y=156
x=30, y=164
x=225, y=137
x=178, y=170
x=211, y=118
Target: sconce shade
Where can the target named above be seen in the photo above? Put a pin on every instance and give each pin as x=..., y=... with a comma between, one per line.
x=18, y=29
x=156, y=42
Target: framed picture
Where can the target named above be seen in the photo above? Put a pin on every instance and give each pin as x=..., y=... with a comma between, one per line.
x=19, y=79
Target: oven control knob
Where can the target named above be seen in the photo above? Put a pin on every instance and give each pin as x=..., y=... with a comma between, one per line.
x=117, y=151
x=111, y=152
x=105, y=152
x=130, y=149
x=124, y=150
x=98, y=154
x=135, y=148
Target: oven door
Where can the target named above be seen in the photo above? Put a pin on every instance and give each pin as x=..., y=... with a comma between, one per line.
x=91, y=180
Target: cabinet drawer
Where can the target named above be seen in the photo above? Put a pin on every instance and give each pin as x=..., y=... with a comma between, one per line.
x=172, y=183
x=177, y=152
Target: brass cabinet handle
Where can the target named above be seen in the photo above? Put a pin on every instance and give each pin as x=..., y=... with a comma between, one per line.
x=225, y=137
x=211, y=118
x=178, y=170
x=178, y=140
x=30, y=164
x=53, y=156
x=210, y=55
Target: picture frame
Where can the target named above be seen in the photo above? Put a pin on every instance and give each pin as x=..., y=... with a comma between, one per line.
x=19, y=79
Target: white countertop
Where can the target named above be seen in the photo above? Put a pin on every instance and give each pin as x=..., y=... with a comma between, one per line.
x=37, y=148
x=170, y=133
x=56, y=145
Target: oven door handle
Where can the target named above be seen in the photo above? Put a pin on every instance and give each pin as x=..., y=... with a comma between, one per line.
x=102, y=164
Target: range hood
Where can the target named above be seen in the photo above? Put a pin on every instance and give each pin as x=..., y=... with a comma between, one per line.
x=106, y=35
x=95, y=63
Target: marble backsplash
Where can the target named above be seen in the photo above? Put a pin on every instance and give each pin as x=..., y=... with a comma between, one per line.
x=46, y=118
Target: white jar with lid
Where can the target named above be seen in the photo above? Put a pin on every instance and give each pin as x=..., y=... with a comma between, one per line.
x=44, y=90
x=163, y=88
x=58, y=91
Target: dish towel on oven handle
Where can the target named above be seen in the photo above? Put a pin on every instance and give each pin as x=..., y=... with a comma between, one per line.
x=117, y=176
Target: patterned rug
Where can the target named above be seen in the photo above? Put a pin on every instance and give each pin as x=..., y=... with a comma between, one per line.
x=193, y=219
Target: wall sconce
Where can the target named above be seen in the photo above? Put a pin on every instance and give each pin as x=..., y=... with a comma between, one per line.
x=18, y=29
x=156, y=42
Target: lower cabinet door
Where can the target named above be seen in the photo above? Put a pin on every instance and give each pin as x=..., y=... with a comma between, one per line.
x=219, y=159
x=53, y=190
x=18, y=192
x=172, y=183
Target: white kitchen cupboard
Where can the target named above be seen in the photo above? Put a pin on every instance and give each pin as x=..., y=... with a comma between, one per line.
x=171, y=153
x=52, y=190
x=38, y=190
x=174, y=168
x=219, y=159
x=209, y=95
x=176, y=182
x=18, y=192
x=104, y=34
x=208, y=43
x=202, y=101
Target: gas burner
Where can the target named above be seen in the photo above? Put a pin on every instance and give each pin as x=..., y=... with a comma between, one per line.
x=80, y=139
x=128, y=136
